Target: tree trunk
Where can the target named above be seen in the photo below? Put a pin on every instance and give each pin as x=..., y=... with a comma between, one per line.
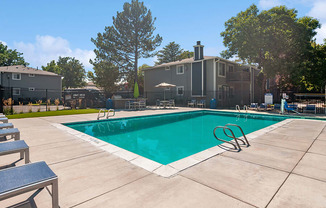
x=136, y=66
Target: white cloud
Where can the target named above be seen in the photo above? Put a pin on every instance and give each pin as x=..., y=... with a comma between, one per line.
x=267, y=4
x=318, y=11
x=3, y=42
x=48, y=48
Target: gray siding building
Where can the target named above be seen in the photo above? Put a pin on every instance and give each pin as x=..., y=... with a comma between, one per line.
x=26, y=83
x=203, y=78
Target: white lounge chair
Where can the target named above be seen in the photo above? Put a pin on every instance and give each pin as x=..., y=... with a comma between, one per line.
x=15, y=147
x=14, y=133
x=29, y=177
x=4, y=120
x=6, y=125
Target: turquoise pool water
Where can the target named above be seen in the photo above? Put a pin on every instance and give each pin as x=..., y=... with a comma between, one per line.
x=170, y=137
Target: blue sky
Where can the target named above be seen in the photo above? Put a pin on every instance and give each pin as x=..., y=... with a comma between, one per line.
x=44, y=30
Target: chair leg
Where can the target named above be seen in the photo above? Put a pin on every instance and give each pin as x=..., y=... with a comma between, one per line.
x=55, y=194
x=27, y=156
x=22, y=154
x=17, y=136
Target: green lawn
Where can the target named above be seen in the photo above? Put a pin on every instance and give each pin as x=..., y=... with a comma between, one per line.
x=52, y=113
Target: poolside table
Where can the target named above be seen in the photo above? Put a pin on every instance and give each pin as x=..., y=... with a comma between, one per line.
x=164, y=103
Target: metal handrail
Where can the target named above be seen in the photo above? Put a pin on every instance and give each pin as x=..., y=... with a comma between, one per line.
x=245, y=108
x=99, y=113
x=108, y=114
x=244, y=136
x=237, y=107
x=237, y=146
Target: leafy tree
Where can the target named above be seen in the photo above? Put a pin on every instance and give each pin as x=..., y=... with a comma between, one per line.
x=314, y=73
x=105, y=75
x=71, y=69
x=9, y=57
x=52, y=67
x=186, y=54
x=172, y=52
x=276, y=40
x=131, y=76
x=129, y=38
x=169, y=53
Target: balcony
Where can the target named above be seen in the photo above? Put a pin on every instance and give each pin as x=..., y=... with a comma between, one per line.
x=238, y=76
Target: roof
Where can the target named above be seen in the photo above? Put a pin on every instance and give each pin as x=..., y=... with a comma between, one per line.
x=190, y=60
x=26, y=70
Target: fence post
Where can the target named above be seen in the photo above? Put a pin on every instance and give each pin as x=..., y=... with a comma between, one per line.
x=2, y=98
x=12, y=101
x=46, y=99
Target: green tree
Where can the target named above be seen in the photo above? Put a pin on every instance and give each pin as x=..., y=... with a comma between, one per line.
x=276, y=40
x=172, y=52
x=71, y=69
x=105, y=75
x=313, y=77
x=131, y=76
x=129, y=38
x=52, y=67
x=169, y=53
x=9, y=57
x=186, y=54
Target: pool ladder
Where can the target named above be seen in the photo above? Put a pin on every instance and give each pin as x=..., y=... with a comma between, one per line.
x=245, y=108
x=105, y=113
x=236, y=143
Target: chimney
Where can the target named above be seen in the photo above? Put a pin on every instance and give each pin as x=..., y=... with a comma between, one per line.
x=199, y=51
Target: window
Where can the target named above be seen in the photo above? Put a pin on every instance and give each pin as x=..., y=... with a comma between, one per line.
x=231, y=68
x=180, y=90
x=221, y=69
x=167, y=68
x=16, y=76
x=31, y=75
x=31, y=89
x=180, y=69
x=16, y=91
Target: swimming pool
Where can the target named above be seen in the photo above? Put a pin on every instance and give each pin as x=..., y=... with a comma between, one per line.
x=170, y=137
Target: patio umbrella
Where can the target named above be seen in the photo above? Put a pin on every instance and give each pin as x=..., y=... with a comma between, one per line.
x=136, y=90
x=164, y=85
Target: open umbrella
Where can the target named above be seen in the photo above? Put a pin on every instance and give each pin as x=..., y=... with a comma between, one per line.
x=164, y=85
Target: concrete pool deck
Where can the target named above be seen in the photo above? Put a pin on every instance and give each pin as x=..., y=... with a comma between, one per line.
x=282, y=168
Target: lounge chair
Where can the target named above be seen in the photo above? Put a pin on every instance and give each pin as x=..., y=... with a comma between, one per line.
x=6, y=125
x=201, y=104
x=192, y=103
x=262, y=106
x=2, y=116
x=289, y=108
x=29, y=177
x=277, y=107
x=310, y=108
x=4, y=120
x=15, y=147
x=253, y=106
x=14, y=133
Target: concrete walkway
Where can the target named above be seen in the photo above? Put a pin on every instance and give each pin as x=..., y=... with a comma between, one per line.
x=283, y=168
